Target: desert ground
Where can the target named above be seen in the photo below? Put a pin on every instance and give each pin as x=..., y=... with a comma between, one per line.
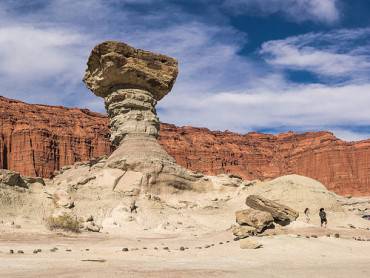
x=209, y=255
x=195, y=242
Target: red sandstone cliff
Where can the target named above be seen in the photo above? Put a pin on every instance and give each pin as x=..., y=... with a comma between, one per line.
x=35, y=140
x=344, y=167
x=38, y=139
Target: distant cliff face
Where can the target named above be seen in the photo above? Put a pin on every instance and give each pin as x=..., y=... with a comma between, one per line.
x=342, y=166
x=35, y=140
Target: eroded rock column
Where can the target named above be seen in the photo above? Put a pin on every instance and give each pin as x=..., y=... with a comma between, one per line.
x=131, y=113
x=131, y=81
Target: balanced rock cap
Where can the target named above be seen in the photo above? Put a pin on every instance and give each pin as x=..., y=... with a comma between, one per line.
x=116, y=65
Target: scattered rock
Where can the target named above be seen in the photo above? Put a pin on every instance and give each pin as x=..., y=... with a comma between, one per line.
x=11, y=251
x=20, y=252
x=11, y=178
x=254, y=218
x=125, y=249
x=249, y=244
x=336, y=235
x=182, y=248
x=62, y=199
x=85, y=180
x=94, y=260
x=243, y=231
x=90, y=219
x=91, y=227
x=31, y=180
x=281, y=213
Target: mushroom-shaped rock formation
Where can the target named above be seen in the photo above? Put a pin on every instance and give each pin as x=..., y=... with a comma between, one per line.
x=131, y=81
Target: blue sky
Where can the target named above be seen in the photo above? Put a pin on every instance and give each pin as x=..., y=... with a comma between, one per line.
x=245, y=65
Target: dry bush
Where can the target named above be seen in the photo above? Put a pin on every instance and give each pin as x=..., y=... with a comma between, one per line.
x=64, y=222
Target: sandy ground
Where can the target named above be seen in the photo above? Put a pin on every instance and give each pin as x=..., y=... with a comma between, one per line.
x=282, y=255
x=199, y=222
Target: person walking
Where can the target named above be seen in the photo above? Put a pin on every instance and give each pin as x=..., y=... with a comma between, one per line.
x=323, y=219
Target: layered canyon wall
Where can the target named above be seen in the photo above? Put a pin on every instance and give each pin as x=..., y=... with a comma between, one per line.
x=35, y=140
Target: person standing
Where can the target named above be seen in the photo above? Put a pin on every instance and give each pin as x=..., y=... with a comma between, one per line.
x=307, y=214
x=323, y=219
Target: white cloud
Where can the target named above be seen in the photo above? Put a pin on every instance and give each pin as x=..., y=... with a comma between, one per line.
x=349, y=135
x=29, y=53
x=325, y=11
x=300, y=108
x=334, y=54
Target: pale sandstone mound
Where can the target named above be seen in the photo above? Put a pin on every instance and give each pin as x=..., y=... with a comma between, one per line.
x=298, y=193
x=131, y=81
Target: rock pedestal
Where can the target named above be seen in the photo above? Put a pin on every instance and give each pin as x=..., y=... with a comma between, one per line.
x=131, y=81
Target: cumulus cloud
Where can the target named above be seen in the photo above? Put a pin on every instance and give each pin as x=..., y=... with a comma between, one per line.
x=299, y=108
x=29, y=53
x=341, y=53
x=323, y=11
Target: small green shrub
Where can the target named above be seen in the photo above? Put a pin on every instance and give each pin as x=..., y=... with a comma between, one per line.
x=64, y=222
